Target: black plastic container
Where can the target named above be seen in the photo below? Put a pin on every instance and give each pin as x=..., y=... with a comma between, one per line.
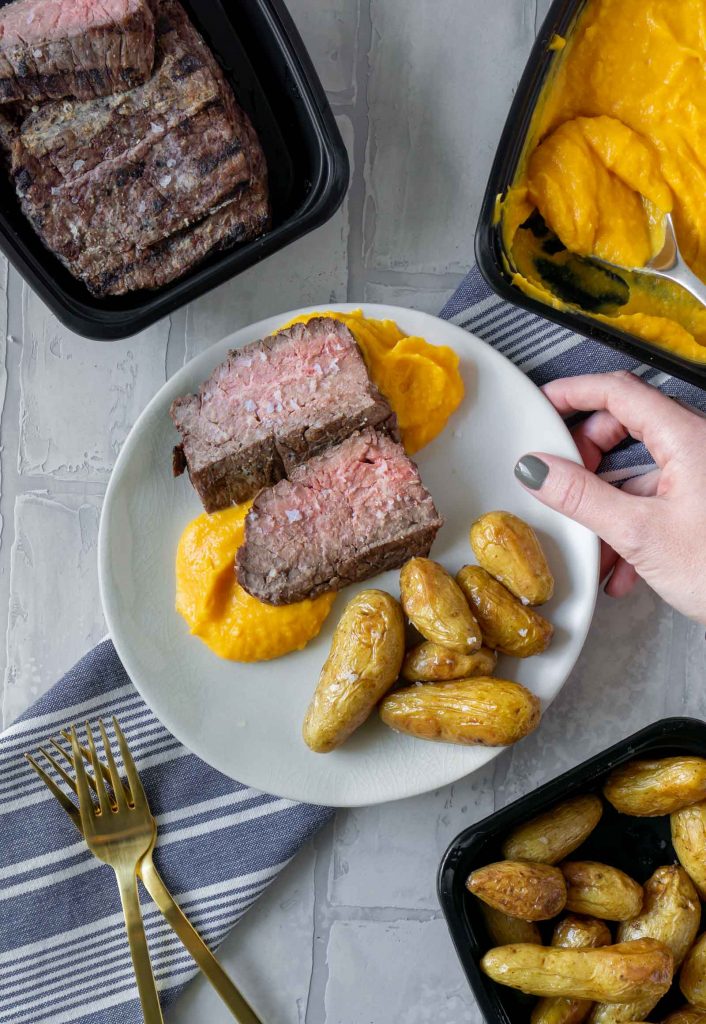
x=636, y=845
x=488, y=242
x=266, y=62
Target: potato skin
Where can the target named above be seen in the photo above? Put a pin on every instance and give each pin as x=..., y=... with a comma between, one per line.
x=481, y=711
x=436, y=607
x=506, y=624
x=689, y=840
x=363, y=663
x=692, y=981
x=687, y=1015
x=504, y=930
x=618, y=973
x=600, y=890
x=650, y=788
x=509, y=549
x=552, y=836
x=532, y=892
x=432, y=663
x=571, y=933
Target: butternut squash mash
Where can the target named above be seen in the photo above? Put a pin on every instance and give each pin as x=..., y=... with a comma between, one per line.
x=618, y=139
x=423, y=385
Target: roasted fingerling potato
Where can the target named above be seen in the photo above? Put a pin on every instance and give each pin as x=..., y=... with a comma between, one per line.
x=616, y=973
x=509, y=549
x=600, y=890
x=364, y=661
x=432, y=663
x=692, y=980
x=436, y=607
x=571, y=933
x=532, y=892
x=688, y=827
x=507, y=625
x=651, y=788
x=552, y=836
x=504, y=930
x=671, y=912
x=479, y=711
x=687, y=1015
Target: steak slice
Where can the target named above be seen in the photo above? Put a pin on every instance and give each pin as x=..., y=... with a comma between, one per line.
x=55, y=48
x=344, y=516
x=271, y=406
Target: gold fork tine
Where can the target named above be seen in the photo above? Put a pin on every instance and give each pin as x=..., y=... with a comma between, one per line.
x=85, y=804
x=115, y=780
x=56, y=791
x=139, y=798
x=101, y=791
x=59, y=769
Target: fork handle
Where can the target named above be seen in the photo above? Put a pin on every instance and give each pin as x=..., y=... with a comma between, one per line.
x=127, y=883
x=240, y=1009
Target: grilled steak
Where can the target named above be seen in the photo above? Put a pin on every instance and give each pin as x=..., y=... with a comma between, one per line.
x=55, y=48
x=357, y=510
x=271, y=406
x=130, y=191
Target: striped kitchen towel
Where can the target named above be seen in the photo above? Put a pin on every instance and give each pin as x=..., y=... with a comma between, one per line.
x=545, y=351
x=63, y=952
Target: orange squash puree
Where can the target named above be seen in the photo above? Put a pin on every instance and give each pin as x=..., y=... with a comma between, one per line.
x=228, y=620
x=617, y=140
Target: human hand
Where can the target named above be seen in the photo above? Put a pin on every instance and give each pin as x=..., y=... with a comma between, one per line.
x=655, y=526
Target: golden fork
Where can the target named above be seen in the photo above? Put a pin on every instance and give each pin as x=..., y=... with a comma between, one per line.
x=240, y=1009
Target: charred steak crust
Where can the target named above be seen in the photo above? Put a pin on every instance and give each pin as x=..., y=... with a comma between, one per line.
x=50, y=49
x=271, y=406
x=346, y=515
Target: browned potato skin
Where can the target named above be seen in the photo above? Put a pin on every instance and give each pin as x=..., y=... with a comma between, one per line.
x=509, y=549
x=692, y=981
x=507, y=625
x=617, y=973
x=571, y=933
x=481, y=711
x=686, y=1015
x=647, y=789
x=432, y=663
x=436, y=607
x=504, y=930
x=364, y=661
x=532, y=892
x=689, y=840
x=552, y=836
x=600, y=890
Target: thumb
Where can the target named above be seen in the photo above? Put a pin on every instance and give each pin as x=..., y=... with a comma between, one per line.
x=582, y=496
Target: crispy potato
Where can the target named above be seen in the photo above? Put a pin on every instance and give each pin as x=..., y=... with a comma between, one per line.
x=533, y=892
x=480, y=711
x=689, y=840
x=555, y=834
x=509, y=550
x=648, y=789
x=507, y=626
x=504, y=930
x=686, y=1015
x=436, y=607
x=600, y=891
x=432, y=663
x=692, y=981
x=571, y=933
x=619, y=973
x=364, y=661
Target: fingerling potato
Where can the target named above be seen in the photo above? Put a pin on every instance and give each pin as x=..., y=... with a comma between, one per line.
x=600, y=890
x=504, y=930
x=480, y=711
x=617, y=973
x=364, y=661
x=509, y=549
x=687, y=1015
x=507, y=625
x=571, y=933
x=688, y=827
x=436, y=607
x=552, y=836
x=532, y=892
x=671, y=912
x=432, y=663
x=692, y=980
x=654, y=787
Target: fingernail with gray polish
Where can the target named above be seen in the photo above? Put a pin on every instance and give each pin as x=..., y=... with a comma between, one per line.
x=531, y=471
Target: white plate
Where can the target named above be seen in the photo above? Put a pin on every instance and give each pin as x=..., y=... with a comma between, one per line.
x=245, y=720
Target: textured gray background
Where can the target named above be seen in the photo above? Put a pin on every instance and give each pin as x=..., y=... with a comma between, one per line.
x=351, y=933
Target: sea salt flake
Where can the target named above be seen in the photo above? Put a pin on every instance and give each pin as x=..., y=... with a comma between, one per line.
x=525, y=600
x=250, y=405
x=293, y=515
x=317, y=369
x=79, y=165
x=269, y=408
x=522, y=632
x=171, y=162
x=37, y=53
x=156, y=128
x=166, y=180
x=263, y=357
x=352, y=677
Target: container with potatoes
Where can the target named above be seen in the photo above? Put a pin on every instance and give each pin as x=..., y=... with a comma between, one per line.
x=426, y=660
x=584, y=901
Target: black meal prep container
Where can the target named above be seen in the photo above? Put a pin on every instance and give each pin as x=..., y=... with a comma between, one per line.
x=636, y=845
x=560, y=21
x=274, y=80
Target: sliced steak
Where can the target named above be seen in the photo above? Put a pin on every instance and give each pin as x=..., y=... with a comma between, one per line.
x=271, y=406
x=55, y=48
x=344, y=516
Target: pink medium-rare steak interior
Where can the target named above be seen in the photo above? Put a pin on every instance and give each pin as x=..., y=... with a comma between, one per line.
x=346, y=515
x=44, y=20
